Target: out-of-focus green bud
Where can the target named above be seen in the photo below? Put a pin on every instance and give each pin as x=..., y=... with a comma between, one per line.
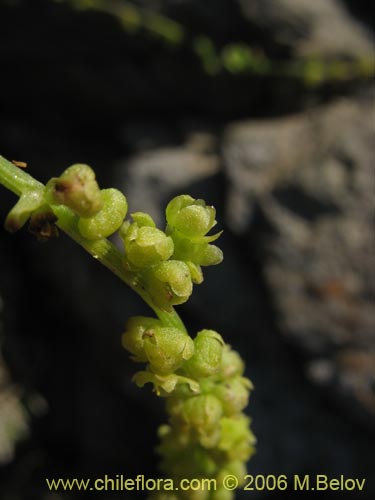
x=164, y=384
x=146, y=246
x=206, y=463
x=176, y=400
x=236, y=438
x=184, y=457
x=174, y=405
x=207, y=356
x=202, y=413
x=167, y=348
x=235, y=468
x=231, y=363
x=169, y=283
x=190, y=217
x=77, y=189
x=174, y=439
x=133, y=338
x=233, y=394
x=108, y=219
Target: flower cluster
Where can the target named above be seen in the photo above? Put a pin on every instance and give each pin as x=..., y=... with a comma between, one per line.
x=188, y=222
x=208, y=434
x=168, y=263
x=100, y=211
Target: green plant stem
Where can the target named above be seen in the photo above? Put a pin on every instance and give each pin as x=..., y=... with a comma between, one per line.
x=19, y=182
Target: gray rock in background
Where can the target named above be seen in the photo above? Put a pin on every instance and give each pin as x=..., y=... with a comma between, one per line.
x=312, y=177
x=257, y=155
x=320, y=27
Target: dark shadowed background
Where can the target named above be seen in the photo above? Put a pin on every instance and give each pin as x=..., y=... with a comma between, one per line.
x=264, y=108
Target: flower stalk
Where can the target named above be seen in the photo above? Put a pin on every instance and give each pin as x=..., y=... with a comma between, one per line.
x=201, y=378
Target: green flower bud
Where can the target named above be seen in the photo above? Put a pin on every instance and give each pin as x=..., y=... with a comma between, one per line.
x=169, y=283
x=231, y=363
x=236, y=468
x=133, y=338
x=146, y=246
x=211, y=255
x=207, y=356
x=77, y=189
x=167, y=348
x=108, y=219
x=233, y=394
x=190, y=217
x=201, y=253
x=236, y=439
x=202, y=413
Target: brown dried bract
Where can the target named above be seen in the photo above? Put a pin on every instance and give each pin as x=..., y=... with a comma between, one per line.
x=20, y=164
x=43, y=225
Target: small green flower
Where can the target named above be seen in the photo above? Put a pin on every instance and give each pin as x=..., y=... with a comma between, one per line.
x=164, y=348
x=188, y=222
x=108, y=219
x=77, y=189
x=192, y=218
x=236, y=438
x=201, y=413
x=207, y=356
x=167, y=348
x=145, y=245
x=169, y=283
x=133, y=338
x=231, y=363
x=233, y=394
